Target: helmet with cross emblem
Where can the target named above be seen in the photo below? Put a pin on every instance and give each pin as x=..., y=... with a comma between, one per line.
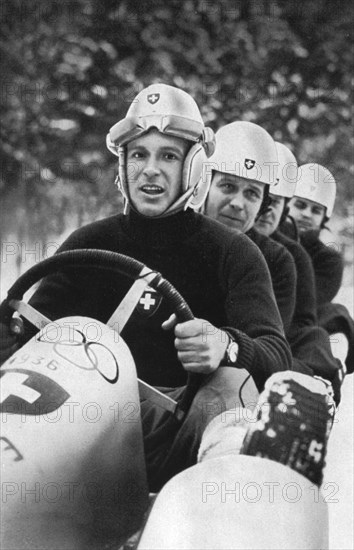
x=246, y=150
x=172, y=112
x=317, y=184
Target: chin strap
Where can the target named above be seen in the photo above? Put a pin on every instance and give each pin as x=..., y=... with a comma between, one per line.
x=180, y=204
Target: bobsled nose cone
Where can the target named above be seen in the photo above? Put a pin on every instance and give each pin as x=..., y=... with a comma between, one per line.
x=73, y=465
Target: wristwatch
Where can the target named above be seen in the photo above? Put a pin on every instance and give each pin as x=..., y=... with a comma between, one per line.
x=231, y=352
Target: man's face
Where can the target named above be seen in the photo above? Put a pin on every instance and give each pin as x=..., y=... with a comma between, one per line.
x=307, y=214
x=268, y=222
x=234, y=201
x=154, y=171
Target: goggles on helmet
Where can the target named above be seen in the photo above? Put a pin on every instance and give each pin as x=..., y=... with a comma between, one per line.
x=130, y=128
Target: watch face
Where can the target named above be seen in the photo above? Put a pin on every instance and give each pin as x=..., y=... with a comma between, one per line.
x=232, y=352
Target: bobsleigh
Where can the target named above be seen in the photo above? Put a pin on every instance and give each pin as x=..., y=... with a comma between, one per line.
x=73, y=469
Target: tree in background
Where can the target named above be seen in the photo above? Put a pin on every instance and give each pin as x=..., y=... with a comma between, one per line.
x=70, y=69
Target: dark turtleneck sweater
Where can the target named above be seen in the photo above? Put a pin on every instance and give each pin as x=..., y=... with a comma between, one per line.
x=305, y=306
x=327, y=264
x=326, y=260
x=309, y=342
x=283, y=274
x=222, y=276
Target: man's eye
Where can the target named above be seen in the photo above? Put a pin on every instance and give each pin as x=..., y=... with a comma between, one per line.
x=317, y=211
x=136, y=155
x=170, y=156
x=300, y=205
x=253, y=194
x=225, y=186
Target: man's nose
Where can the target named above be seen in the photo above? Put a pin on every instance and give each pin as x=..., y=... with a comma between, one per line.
x=151, y=167
x=269, y=211
x=237, y=201
x=306, y=213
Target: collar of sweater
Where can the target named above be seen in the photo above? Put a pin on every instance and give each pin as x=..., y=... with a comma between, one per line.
x=254, y=235
x=159, y=232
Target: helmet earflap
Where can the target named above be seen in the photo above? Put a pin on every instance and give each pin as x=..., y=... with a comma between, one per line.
x=122, y=176
x=209, y=142
x=193, y=168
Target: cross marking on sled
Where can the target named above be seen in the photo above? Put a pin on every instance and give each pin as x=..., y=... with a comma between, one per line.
x=147, y=301
x=12, y=384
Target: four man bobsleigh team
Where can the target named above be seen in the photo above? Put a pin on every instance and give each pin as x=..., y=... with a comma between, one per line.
x=254, y=291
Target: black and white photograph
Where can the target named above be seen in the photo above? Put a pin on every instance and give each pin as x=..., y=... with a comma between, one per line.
x=176, y=275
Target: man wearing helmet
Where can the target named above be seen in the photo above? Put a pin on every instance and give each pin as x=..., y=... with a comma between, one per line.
x=161, y=145
x=240, y=172
x=244, y=193
x=311, y=208
x=309, y=343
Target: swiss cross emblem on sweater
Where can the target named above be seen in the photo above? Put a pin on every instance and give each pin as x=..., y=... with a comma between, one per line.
x=149, y=302
x=249, y=163
x=153, y=98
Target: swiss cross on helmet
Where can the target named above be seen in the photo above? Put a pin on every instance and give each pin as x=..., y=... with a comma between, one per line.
x=153, y=98
x=247, y=150
x=243, y=149
x=249, y=163
x=172, y=112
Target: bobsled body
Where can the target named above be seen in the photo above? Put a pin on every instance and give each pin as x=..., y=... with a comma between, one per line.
x=73, y=470
x=237, y=502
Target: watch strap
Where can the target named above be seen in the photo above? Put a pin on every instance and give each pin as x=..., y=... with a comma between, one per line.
x=227, y=357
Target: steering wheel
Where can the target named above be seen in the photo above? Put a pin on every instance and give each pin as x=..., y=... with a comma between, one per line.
x=102, y=259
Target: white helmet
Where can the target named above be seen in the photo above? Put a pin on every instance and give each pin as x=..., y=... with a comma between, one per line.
x=287, y=172
x=316, y=183
x=172, y=112
x=243, y=149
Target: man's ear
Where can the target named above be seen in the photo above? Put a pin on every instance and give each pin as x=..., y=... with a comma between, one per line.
x=324, y=222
